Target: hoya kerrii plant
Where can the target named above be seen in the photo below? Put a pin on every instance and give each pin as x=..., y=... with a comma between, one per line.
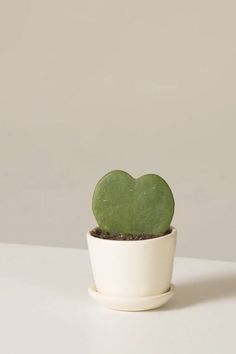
x=133, y=274
x=132, y=209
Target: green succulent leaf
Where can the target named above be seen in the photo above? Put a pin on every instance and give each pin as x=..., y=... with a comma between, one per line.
x=125, y=205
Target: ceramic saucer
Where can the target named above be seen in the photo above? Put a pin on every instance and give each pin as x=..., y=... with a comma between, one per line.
x=131, y=303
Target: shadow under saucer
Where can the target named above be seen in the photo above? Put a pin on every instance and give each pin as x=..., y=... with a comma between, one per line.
x=202, y=291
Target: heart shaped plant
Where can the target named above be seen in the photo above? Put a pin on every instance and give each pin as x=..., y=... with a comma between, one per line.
x=123, y=205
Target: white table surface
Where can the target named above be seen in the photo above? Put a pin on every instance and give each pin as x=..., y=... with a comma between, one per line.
x=45, y=308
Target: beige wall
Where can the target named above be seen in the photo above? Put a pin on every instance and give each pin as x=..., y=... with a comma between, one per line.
x=90, y=86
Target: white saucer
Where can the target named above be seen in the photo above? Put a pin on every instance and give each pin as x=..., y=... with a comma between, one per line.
x=131, y=303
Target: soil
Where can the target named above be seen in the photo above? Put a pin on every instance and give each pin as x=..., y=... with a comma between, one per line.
x=97, y=232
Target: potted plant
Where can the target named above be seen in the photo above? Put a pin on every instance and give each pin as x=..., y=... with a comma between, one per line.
x=132, y=249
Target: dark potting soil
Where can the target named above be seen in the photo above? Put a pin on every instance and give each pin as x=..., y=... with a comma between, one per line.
x=97, y=232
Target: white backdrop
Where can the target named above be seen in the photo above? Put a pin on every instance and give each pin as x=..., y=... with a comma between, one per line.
x=90, y=86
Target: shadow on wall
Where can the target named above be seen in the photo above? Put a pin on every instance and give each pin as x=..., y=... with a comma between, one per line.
x=202, y=291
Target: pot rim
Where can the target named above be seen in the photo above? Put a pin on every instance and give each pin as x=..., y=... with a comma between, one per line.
x=172, y=233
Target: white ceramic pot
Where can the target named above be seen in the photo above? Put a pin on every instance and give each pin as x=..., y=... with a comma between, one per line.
x=132, y=269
